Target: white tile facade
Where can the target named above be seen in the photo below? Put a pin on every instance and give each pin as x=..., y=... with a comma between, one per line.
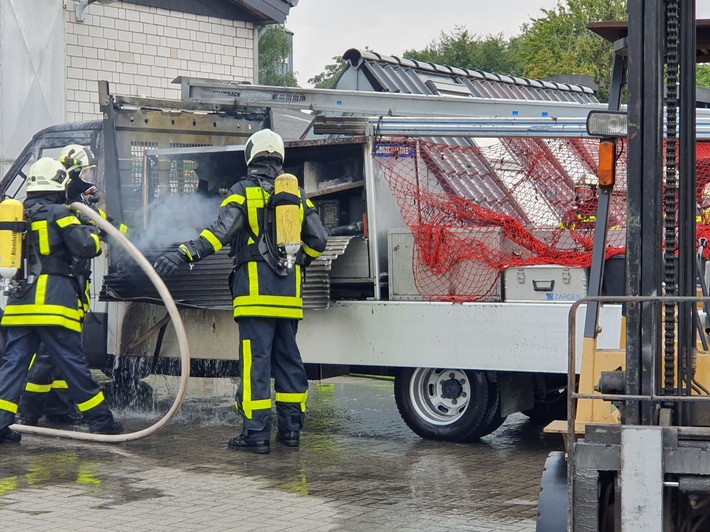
x=139, y=50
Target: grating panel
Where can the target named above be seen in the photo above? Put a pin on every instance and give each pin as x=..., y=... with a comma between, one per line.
x=206, y=285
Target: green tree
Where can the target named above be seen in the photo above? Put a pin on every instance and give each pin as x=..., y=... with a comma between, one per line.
x=331, y=74
x=704, y=76
x=560, y=43
x=274, y=49
x=463, y=49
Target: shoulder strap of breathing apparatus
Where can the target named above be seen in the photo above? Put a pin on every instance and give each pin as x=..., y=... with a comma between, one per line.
x=264, y=248
x=34, y=264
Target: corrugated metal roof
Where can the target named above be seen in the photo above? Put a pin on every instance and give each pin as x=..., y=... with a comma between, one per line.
x=469, y=173
x=394, y=74
x=291, y=125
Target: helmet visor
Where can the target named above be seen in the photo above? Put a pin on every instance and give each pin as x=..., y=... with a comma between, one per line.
x=88, y=174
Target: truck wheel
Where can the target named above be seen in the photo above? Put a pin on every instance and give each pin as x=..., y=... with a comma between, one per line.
x=442, y=404
x=492, y=419
x=552, y=505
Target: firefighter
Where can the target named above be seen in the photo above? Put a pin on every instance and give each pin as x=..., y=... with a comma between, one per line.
x=45, y=392
x=47, y=308
x=586, y=203
x=267, y=294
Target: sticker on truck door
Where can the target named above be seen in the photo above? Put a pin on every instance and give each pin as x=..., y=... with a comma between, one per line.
x=390, y=149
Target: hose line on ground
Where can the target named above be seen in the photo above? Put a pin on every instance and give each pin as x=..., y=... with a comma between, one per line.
x=179, y=331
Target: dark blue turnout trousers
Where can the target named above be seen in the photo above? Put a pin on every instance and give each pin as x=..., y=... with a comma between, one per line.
x=46, y=392
x=64, y=348
x=268, y=349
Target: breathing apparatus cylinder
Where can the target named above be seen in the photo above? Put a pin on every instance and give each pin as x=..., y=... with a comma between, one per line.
x=287, y=215
x=12, y=214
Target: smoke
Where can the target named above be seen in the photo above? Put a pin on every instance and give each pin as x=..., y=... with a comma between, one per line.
x=175, y=219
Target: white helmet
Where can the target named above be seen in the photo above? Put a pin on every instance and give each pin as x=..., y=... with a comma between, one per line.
x=264, y=143
x=77, y=157
x=47, y=175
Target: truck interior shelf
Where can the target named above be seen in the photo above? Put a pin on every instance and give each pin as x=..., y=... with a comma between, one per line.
x=335, y=188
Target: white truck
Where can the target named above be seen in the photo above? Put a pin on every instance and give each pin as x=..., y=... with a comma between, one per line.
x=459, y=367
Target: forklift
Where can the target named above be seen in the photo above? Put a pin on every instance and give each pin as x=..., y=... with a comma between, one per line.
x=638, y=425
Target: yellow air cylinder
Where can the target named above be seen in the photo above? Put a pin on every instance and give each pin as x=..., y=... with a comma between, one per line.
x=288, y=222
x=11, y=211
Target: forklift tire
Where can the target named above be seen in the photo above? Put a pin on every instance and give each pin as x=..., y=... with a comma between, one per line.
x=443, y=404
x=552, y=505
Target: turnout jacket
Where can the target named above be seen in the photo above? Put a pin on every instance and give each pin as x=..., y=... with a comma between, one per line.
x=82, y=267
x=257, y=290
x=55, y=239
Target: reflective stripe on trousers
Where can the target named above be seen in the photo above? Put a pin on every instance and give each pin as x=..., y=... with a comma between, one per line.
x=65, y=348
x=268, y=347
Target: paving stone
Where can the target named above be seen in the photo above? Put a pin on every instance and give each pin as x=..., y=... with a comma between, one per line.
x=359, y=468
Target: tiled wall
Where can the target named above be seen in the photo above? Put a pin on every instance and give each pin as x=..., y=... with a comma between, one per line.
x=140, y=50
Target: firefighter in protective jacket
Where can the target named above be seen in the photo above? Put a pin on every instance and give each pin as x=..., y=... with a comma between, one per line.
x=47, y=307
x=46, y=391
x=266, y=292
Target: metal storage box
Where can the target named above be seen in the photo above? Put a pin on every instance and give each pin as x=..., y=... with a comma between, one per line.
x=544, y=283
x=401, y=275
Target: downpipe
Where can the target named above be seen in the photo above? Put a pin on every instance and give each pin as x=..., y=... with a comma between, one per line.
x=147, y=267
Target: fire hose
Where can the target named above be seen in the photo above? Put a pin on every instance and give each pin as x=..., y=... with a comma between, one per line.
x=179, y=331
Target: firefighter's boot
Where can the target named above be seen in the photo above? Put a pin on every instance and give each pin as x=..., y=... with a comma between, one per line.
x=9, y=436
x=64, y=419
x=289, y=439
x=113, y=428
x=241, y=444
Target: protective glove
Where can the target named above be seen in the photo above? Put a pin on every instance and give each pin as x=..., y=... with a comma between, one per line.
x=168, y=263
x=85, y=220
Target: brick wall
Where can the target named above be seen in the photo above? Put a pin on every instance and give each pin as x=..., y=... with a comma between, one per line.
x=140, y=50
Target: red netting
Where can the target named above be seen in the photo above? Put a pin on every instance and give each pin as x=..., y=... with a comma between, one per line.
x=703, y=179
x=475, y=211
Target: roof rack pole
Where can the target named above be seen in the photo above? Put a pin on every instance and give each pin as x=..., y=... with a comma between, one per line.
x=371, y=103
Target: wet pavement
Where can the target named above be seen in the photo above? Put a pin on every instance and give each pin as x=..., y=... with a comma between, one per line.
x=359, y=468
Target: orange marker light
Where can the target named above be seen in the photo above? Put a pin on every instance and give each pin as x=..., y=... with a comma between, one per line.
x=607, y=163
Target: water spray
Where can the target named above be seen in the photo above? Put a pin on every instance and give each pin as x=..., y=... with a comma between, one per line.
x=179, y=331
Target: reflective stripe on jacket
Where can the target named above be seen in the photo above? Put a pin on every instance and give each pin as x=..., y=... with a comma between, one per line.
x=257, y=290
x=53, y=299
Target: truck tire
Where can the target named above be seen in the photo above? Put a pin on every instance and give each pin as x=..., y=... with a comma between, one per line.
x=552, y=504
x=443, y=404
x=492, y=419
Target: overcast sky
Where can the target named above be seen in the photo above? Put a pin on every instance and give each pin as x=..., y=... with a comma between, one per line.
x=327, y=28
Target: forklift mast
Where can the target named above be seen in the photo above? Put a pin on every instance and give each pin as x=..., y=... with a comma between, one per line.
x=648, y=472
x=662, y=38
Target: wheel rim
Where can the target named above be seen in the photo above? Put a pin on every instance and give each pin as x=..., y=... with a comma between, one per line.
x=440, y=396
